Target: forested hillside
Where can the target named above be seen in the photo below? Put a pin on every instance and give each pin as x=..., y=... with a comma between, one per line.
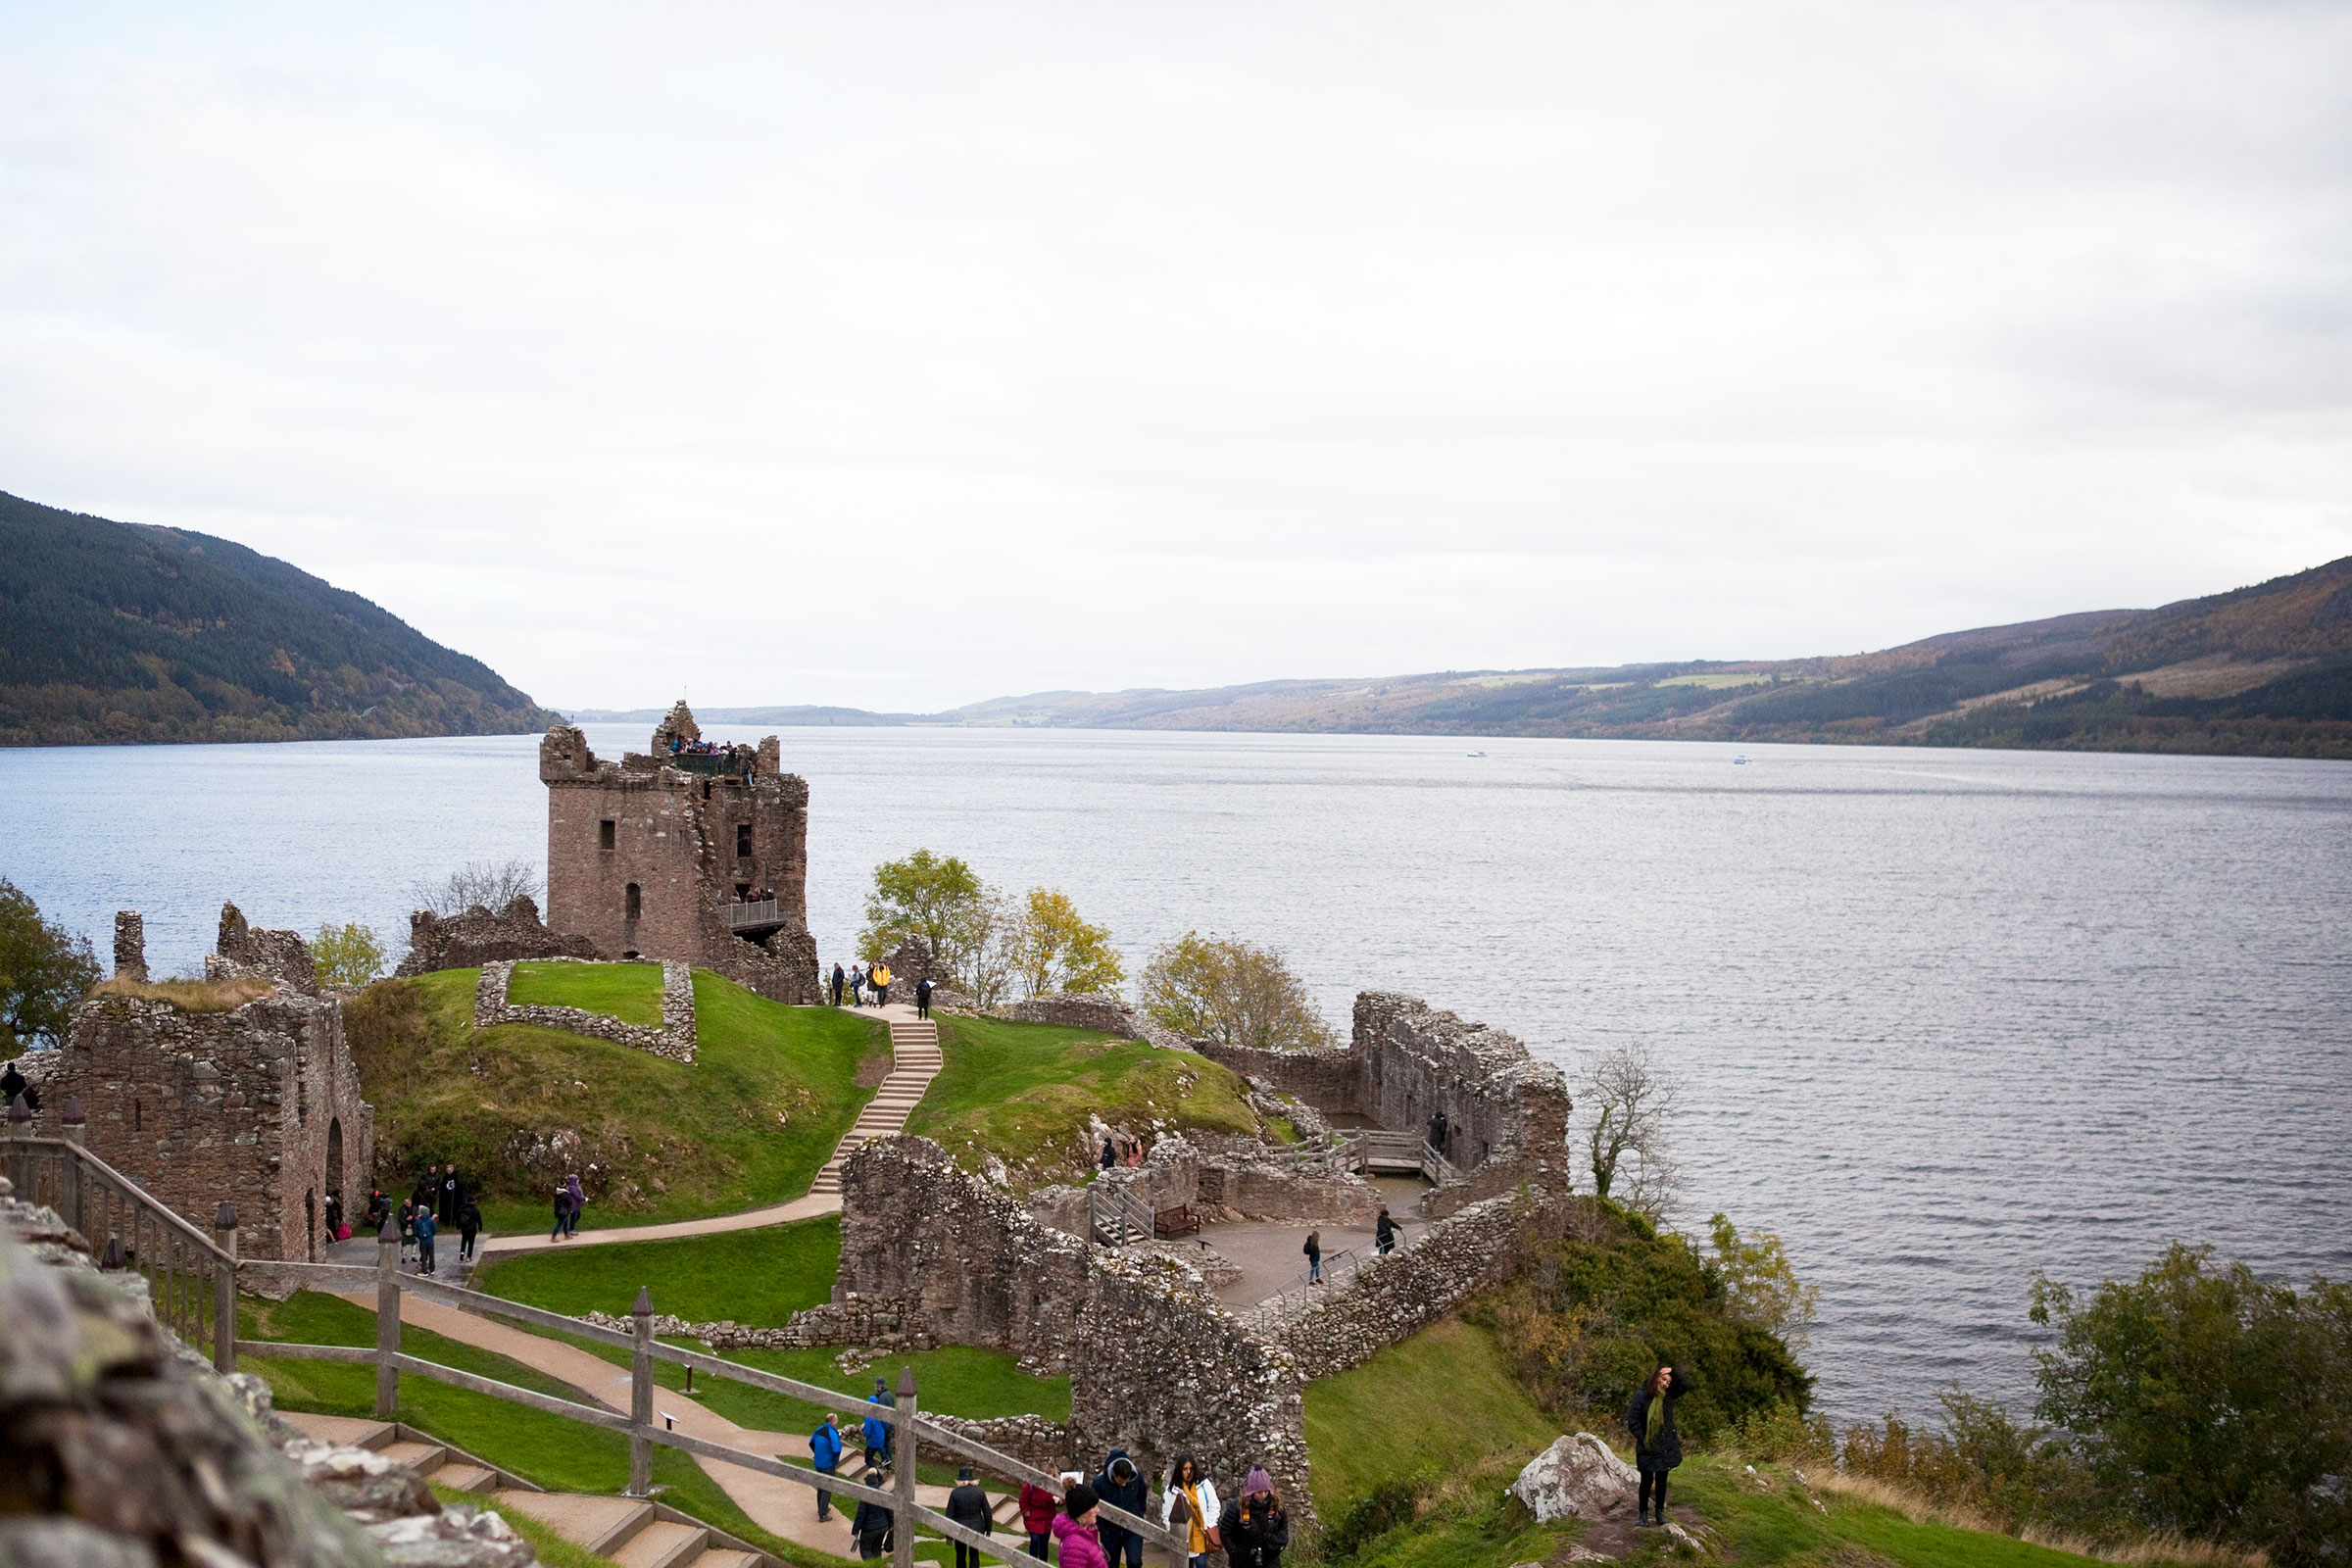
x=2262, y=671
x=114, y=632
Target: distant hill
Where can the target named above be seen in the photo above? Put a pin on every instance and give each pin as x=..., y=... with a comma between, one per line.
x=2262, y=671
x=115, y=632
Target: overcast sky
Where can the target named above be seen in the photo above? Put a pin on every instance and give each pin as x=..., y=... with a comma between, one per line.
x=901, y=356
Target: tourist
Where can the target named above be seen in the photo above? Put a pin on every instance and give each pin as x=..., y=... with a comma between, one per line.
x=824, y=1450
x=1191, y=1506
x=967, y=1505
x=857, y=985
x=377, y=1207
x=922, y=998
x=877, y=1429
x=1121, y=1485
x=470, y=1225
x=1657, y=1447
x=839, y=980
x=579, y=1202
x=870, y=1524
x=881, y=981
x=446, y=1208
x=334, y=1219
x=1110, y=1152
x=1255, y=1529
x=426, y=1231
x=1437, y=1133
x=562, y=1211
x=407, y=1229
x=1384, y=1232
x=1038, y=1508
x=1315, y=1257
x=1074, y=1528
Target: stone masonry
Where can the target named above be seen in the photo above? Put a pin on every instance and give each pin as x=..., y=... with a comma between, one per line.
x=482, y=936
x=259, y=1106
x=675, y=1039
x=645, y=856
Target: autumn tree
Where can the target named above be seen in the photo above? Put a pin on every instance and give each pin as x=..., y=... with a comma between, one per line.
x=44, y=970
x=1759, y=1283
x=1055, y=948
x=1236, y=993
x=346, y=956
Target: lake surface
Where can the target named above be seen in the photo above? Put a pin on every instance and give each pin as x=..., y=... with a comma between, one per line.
x=1944, y=1017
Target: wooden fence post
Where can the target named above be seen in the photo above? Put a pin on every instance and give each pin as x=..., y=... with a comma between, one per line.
x=640, y=1397
x=901, y=1525
x=225, y=1292
x=73, y=1124
x=387, y=1317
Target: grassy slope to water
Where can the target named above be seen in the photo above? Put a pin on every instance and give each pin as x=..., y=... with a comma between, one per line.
x=1022, y=1094
x=770, y=1094
x=1442, y=1414
x=629, y=992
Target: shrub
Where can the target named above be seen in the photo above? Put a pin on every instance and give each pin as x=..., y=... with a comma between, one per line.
x=346, y=956
x=44, y=970
x=1233, y=992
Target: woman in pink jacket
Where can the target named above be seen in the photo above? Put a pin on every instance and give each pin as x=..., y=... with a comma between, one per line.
x=1074, y=1528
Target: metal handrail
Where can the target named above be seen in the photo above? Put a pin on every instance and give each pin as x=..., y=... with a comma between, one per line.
x=762, y=911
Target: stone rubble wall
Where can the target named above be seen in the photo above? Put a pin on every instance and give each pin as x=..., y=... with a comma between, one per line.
x=1392, y=1298
x=482, y=936
x=1105, y=1015
x=130, y=945
x=1327, y=1078
x=675, y=1039
x=241, y=949
x=247, y=1106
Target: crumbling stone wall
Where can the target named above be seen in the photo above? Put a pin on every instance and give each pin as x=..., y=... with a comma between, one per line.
x=675, y=1039
x=1329, y=1079
x=482, y=936
x=1107, y=1015
x=260, y=1107
x=1390, y=1297
x=131, y=945
x=644, y=856
x=241, y=949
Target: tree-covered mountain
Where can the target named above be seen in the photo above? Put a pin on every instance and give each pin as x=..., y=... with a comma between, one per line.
x=2262, y=671
x=118, y=632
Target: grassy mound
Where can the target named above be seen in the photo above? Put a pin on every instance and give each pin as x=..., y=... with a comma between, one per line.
x=1021, y=1094
x=1467, y=1406
x=629, y=992
x=770, y=1093
x=754, y=1277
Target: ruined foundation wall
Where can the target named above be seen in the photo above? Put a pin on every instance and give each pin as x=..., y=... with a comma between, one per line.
x=1498, y=1101
x=260, y=1107
x=481, y=936
x=1330, y=1080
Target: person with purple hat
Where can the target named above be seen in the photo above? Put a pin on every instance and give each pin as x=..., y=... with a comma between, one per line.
x=1254, y=1526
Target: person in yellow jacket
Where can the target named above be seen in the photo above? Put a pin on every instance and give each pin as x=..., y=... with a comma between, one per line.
x=880, y=980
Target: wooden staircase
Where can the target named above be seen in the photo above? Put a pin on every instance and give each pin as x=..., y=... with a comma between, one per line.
x=914, y=1062
x=630, y=1530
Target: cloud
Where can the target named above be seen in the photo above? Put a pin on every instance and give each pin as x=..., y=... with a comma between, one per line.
x=904, y=354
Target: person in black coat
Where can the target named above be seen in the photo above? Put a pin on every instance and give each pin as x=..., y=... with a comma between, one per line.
x=840, y=979
x=1121, y=1485
x=1255, y=1527
x=871, y=1523
x=922, y=998
x=967, y=1505
x=1657, y=1447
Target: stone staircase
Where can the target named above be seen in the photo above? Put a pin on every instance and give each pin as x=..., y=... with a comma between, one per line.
x=631, y=1532
x=914, y=1062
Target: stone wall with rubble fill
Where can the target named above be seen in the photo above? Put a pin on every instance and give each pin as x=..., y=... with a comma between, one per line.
x=260, y=1107
x=1158, y=1368
x=673, y=1040
x=482, y=936
x=1394, y=1297
x=1502, y=1107
x=1327, y=1079
x=946, y=1257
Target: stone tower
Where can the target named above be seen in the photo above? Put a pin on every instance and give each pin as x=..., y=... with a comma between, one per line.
x=657, y=856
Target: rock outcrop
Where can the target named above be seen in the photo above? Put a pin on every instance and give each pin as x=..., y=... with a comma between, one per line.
x=1577, y=1478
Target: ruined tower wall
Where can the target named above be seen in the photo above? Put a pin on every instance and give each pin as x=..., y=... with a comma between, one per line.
x=1501, y=1104
x=244, y=1105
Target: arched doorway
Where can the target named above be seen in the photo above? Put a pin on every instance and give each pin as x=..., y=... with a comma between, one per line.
x=334, y=1158
x=309, y=1222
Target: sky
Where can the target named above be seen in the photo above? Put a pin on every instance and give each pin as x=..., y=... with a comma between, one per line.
x=901, y=356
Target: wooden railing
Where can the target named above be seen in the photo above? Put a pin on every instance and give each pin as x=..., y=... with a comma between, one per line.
x=908, y=1430
x=1117, y=1216
x=191, y=1277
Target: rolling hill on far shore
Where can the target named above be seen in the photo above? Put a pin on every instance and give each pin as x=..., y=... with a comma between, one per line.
x=2262, y=671
x=114, y=632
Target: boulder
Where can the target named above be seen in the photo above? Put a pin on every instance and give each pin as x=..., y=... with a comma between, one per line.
x=1576, y=1477
x=454, y=1537
x=362, y=1481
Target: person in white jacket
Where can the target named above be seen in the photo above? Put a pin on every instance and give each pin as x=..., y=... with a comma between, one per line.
x=1189, y=1505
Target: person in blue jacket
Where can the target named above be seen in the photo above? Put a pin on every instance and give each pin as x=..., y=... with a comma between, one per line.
x=824, y=1449
x=877, y=1430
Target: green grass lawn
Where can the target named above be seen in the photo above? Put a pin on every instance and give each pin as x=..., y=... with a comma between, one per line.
x=952, y=1380
x=1022, y=1092
x=1466, y=1401
x=770, y=1093
x=757, y=1277
x=629, y=992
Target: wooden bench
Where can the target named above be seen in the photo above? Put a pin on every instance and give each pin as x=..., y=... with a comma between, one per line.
x=1179, y=1221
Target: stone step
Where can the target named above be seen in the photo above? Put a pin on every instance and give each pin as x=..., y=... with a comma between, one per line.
x=662, y=1543
x=599, y=1524
x=343, y=1431
x=465, y=1478
x=423, y=1457
x=724, y=1558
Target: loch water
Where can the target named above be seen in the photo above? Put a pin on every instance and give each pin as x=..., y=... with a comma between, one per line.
x=1943, y=1017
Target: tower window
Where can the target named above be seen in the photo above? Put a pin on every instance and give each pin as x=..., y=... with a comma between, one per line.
x=743, y=838
x=632, y=903
x=604, y=834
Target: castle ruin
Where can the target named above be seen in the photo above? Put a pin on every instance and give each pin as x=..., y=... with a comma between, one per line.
x=662, y=854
